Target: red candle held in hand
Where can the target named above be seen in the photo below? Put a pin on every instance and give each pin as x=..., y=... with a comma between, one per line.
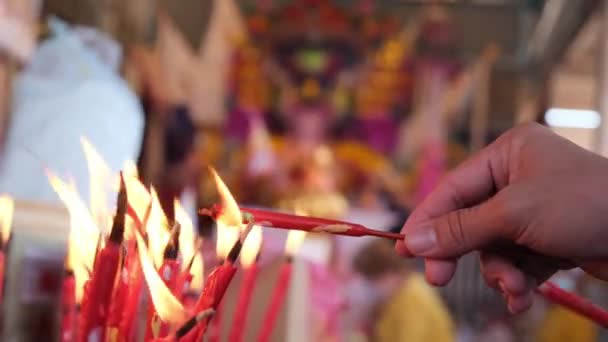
x=274, y=219
x=575, y=303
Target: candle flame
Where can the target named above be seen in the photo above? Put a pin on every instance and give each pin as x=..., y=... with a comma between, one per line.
x=100, y=179
x=157, y=230
x=251, y=246
x=138, y=195
x=294, y=240
x=198, y=273
x=139, y=200
x=229, y=221
x=188, y=245
x=168, y=308
x=129, y=169
x=84, y=233
x=186, y=233
x=7, y=207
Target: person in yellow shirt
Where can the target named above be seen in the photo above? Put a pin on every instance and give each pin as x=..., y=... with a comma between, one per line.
x=406, y=308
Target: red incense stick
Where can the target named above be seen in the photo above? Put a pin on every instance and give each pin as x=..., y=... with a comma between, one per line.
x=276, y=303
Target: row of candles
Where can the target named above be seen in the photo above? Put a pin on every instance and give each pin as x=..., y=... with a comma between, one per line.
x=111, y=263
x=108, y=270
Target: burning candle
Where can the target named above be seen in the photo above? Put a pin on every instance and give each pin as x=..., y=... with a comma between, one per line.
x=229, y=244
x=169, y=272
x=294, y=240
x=167, y=307
x=139, y=202
x=249, y=256
x=192, y=263
x=99, y=289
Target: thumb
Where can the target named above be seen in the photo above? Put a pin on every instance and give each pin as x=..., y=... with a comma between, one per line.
x=458, y=232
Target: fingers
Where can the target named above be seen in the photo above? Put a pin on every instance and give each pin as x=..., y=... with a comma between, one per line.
x=500, y=274
x=439, y=272
x=468, y=185
x=460, y=231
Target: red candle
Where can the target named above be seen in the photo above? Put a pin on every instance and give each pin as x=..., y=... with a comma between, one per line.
x=68, y=308
x=98, y=294
x=99, y=288
x=169, y=273
x=134, y=283
x=121, y=293
x=215, y=287
x=134, y=290
x=276, y=302
x=294, y=239
x=249, y=256
x=216, y=325
x=239, y=321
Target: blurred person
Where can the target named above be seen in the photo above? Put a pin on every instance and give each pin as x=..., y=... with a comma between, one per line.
x=403, y=306
x=60, y=96
x=182, y=166
x=17, y=44
x=531, y=202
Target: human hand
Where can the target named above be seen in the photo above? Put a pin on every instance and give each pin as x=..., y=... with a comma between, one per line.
x=531, y=202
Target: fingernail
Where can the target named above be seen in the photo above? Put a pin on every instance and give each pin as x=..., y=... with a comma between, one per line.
x=421, y=240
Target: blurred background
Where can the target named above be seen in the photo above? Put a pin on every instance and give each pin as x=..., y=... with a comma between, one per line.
x=349, y=109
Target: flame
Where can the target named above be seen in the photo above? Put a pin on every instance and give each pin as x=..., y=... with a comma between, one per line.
x=100, y=176
x=129, y=169
x=168, y=308
x=186, y=234
x=158, y=230
x=230, y=220
x=189, y=248
x=139, y=199
x=7, y=207
x=251, y=246
x=198, y=273
x=84, y=233
x=294, y=240
x=138, y=195
x=231, y=214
